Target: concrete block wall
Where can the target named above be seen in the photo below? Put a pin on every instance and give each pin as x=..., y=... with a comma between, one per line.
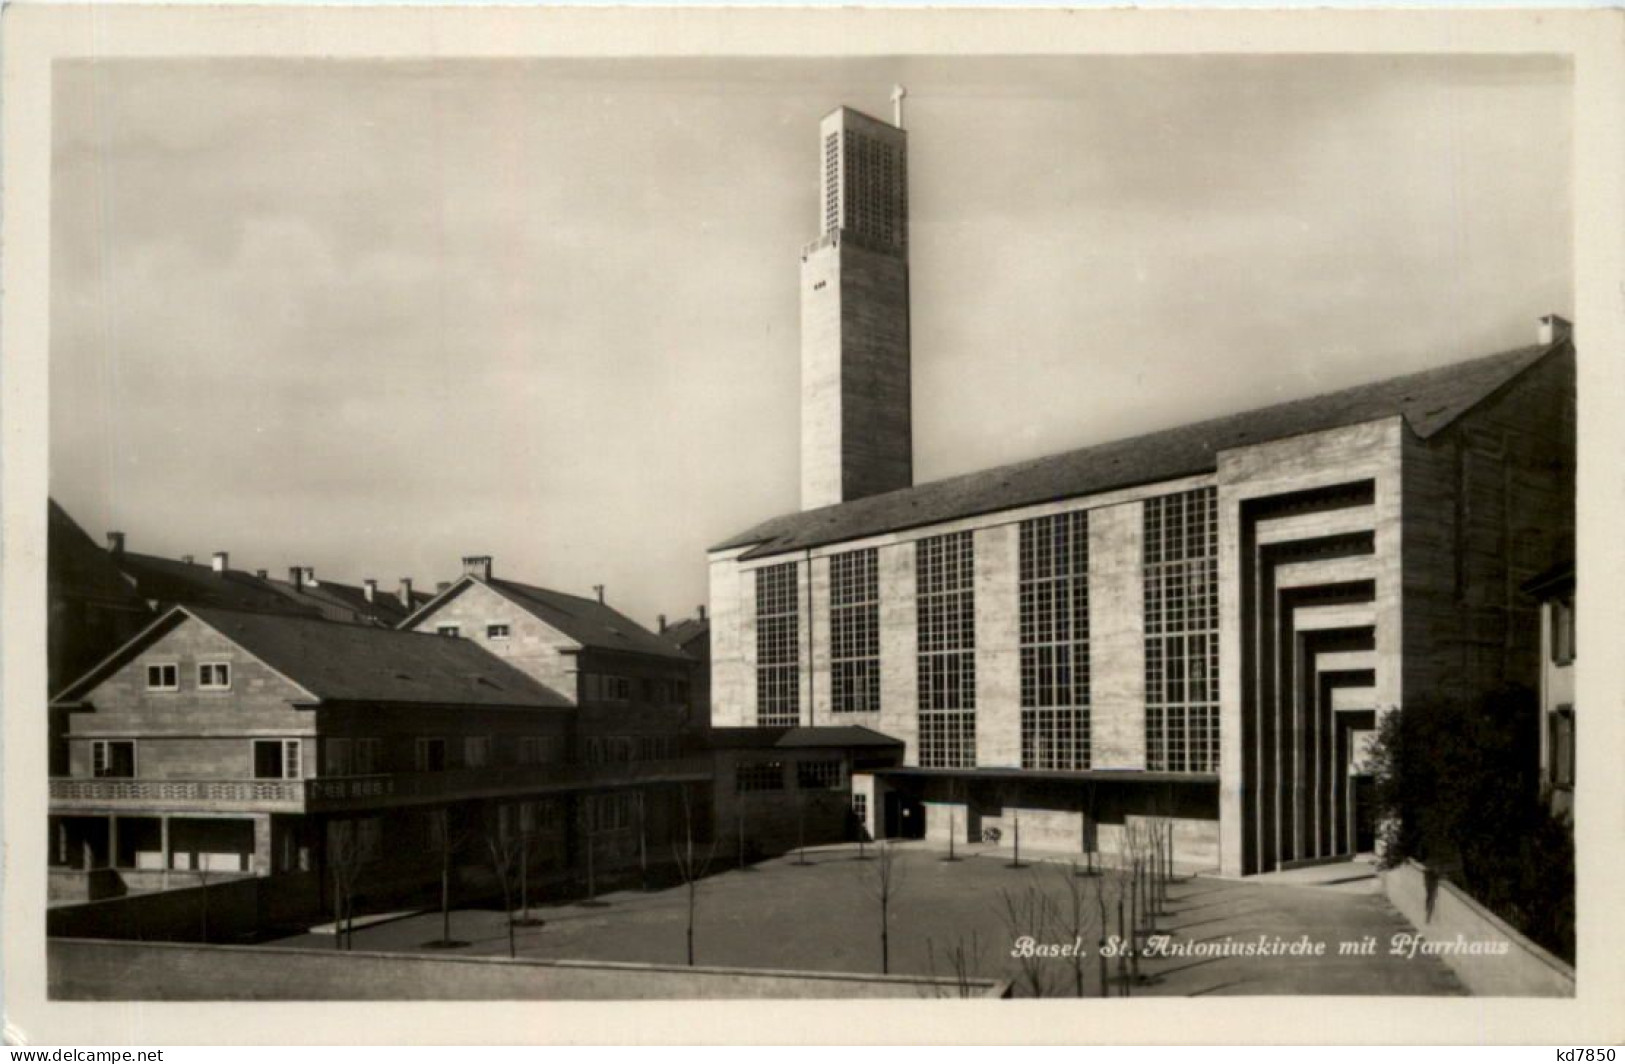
x=532, y=646
x=899, y=649
x=876, y=416
x=998, y=647
x=821, y=391
x=1117, y=636
x=190, y=733
x=1275, y=788
x=733, y=683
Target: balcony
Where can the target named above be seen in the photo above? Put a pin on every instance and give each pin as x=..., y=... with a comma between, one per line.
x=275, y=796
x=339, y=793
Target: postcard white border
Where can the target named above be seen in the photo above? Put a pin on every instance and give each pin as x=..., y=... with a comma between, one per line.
x=35, y=35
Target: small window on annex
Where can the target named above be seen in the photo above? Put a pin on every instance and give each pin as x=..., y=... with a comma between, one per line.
x=165, y=676
x=214, y=676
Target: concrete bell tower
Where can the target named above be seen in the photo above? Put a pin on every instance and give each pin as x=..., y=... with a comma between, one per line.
x=856, y=432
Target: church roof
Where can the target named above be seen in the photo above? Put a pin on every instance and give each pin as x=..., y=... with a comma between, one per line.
x=1429, y=401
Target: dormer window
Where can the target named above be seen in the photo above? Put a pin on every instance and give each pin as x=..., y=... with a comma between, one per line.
x=448, y=629
x=163, y=676
x=214, y=676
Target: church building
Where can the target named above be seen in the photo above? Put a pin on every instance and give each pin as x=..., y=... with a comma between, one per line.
x=1200, y=624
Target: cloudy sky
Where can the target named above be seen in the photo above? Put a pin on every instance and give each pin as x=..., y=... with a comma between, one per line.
x=371, y=317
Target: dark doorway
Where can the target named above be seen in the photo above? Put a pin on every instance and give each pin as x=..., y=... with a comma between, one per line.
x=1365, y=812
x=905, y=816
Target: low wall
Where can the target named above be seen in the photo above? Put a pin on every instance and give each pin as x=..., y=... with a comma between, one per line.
x=233, y=910
x=1522, y=969
x=84, y=970
x=1059, y=831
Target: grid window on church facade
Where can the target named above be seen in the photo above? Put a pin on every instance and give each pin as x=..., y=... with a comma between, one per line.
x=945, y=574
x=778, y=647
x=1054, y=595
x=854, y=632
x=1182, y=632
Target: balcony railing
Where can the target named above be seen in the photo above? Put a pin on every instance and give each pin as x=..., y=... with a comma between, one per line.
x=417, y=788
x=330, y=793
x=247, y=794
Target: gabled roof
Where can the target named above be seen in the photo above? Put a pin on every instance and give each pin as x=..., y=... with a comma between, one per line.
x=587, y=621
x=1428, y=401
x=179, y=583
x=837, y=735
x=345, y=602
x=336, y=662
x=686, y=631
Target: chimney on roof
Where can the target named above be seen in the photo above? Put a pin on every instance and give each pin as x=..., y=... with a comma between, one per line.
x=115, y=543
x=477, y=565
x=262, y=574
x=309, y=576
x=702, y=611
x=442, y=587
x=222, y=561
x=1554, y=329
x=662, y=620
x=186, y=559
x=599, y=589
x=371, y=589
x=406, y=592
x=296, y=577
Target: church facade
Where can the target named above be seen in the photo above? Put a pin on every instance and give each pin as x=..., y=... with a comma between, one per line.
x=1202, y=624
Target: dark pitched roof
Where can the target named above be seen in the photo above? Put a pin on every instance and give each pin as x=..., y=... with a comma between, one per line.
x=357, y=663
x=345, y=602
x=587, y=621
x=1429, y=401
x=179, y=583
x=77, y=567
x=686, y=631
x=843, y=735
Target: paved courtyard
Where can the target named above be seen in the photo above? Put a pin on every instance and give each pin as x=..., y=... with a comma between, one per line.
x=824, y=916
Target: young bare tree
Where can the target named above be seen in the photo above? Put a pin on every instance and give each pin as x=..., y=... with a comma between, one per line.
x=527, y=850
x=961, y=961
x=507, y=850
x=643, y=840
x=1029, y=915
x=1108, y=895
x=344, y=861
x=1075, y=917
x=692, y=864
x=449, y=838
x=587, y=830
x=883, y=877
